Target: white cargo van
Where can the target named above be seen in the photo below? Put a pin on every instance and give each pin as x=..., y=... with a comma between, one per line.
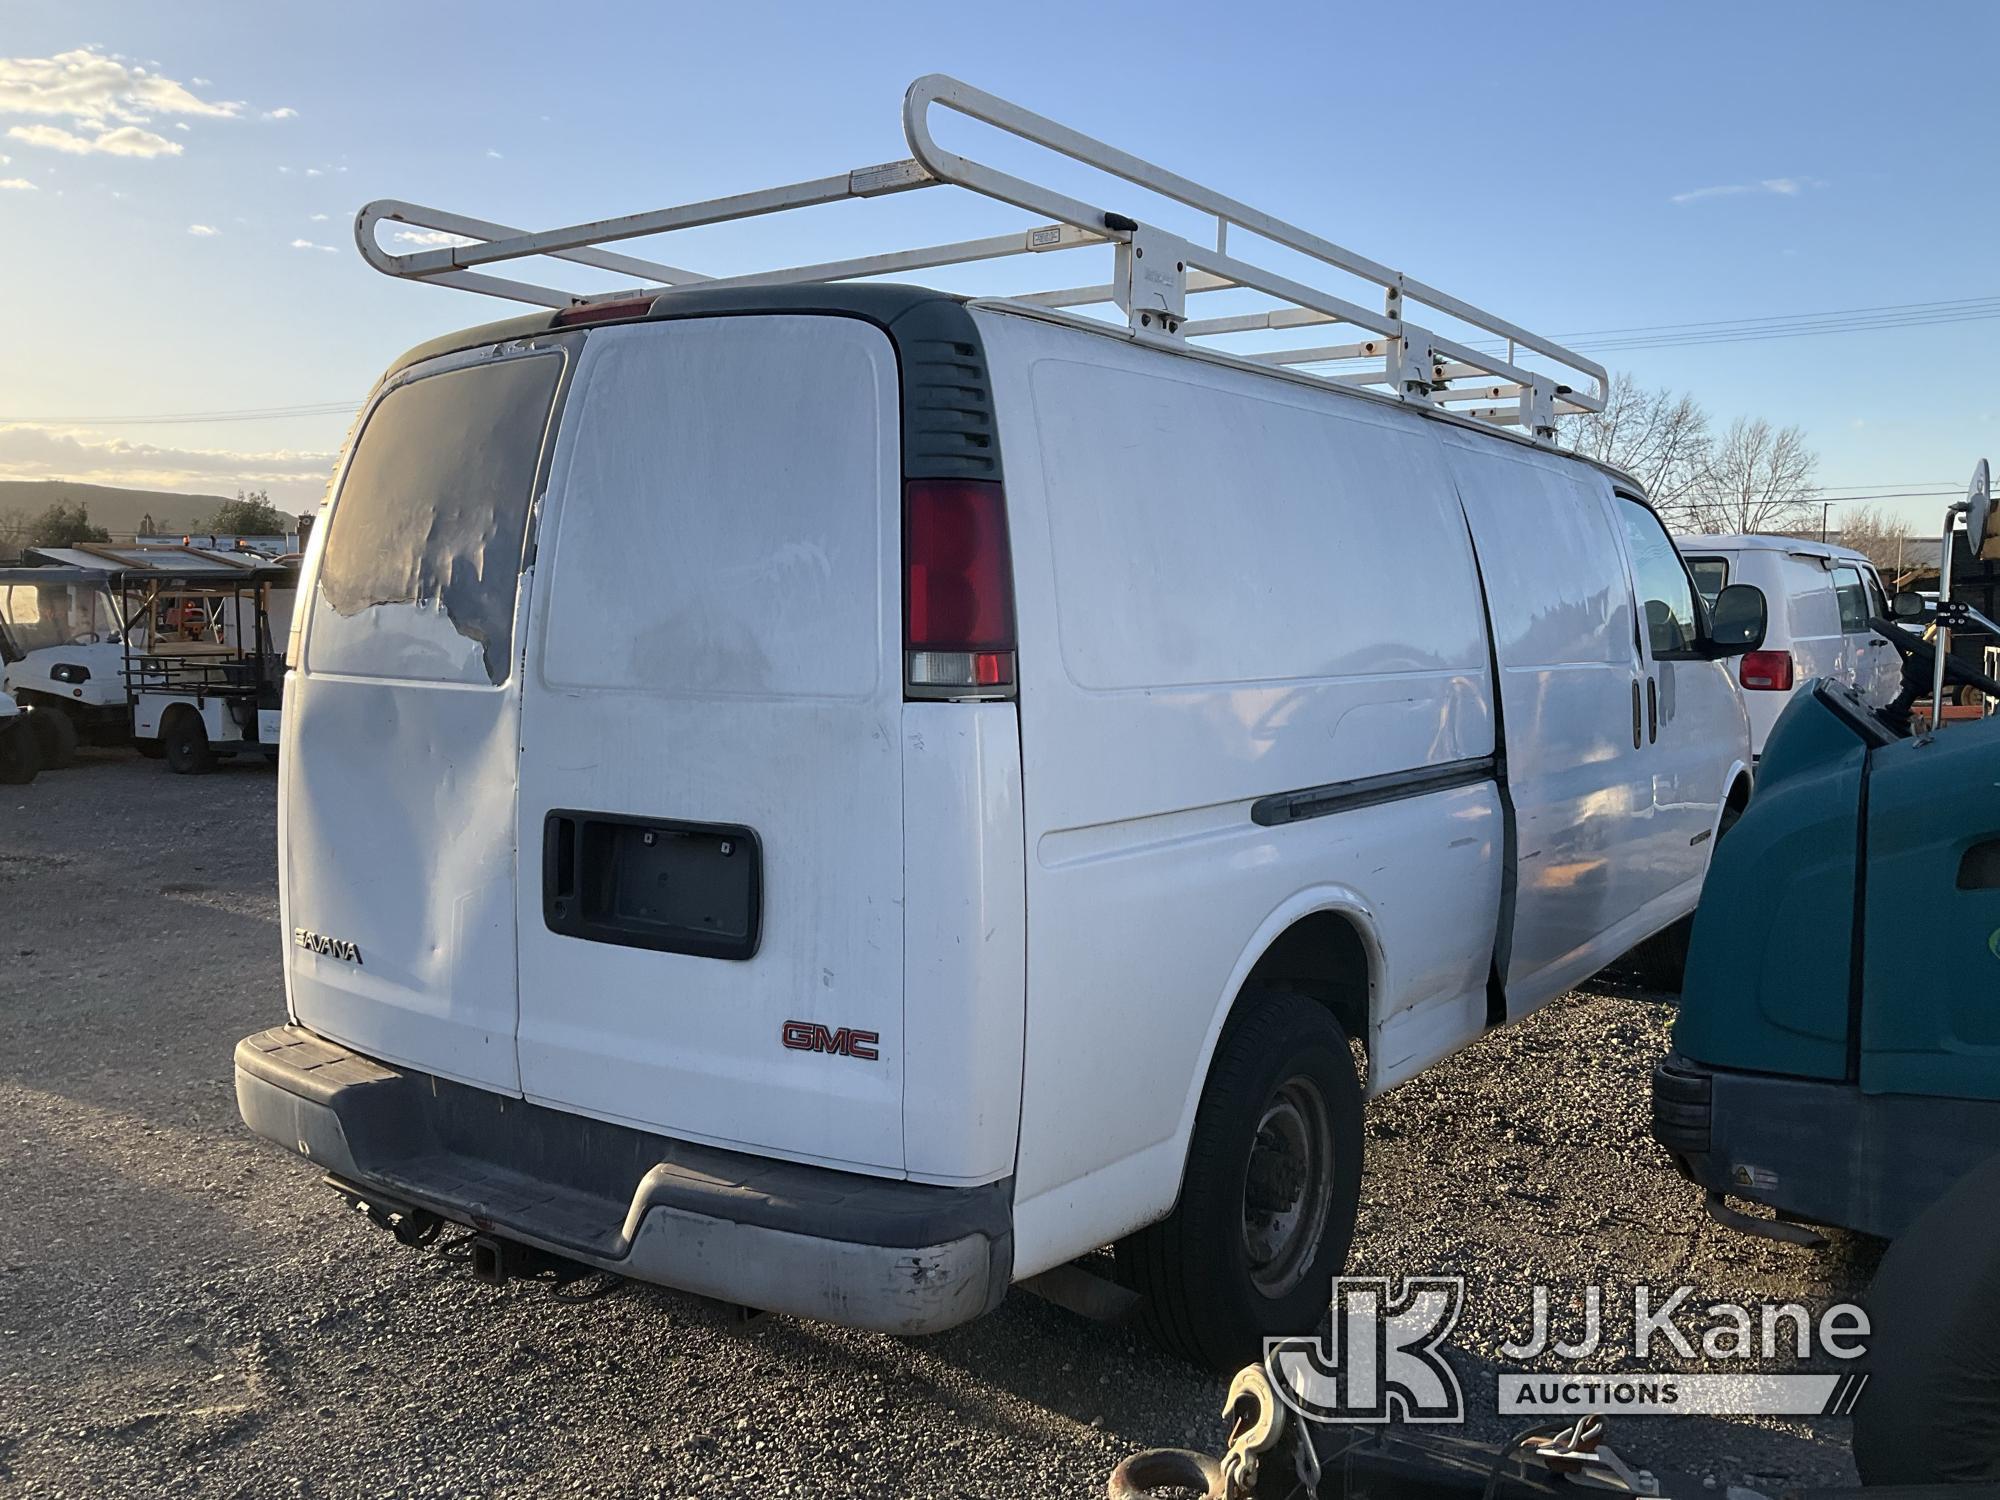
x=1822, y=598
x=841, y=797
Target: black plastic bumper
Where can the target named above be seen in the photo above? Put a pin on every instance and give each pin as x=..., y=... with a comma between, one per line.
x=848, y=1248
x=1818, y=1150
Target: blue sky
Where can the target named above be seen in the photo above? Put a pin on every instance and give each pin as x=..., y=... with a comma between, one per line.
x=1577, y=169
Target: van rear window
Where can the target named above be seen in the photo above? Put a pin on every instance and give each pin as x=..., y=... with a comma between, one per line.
x=423, y=551
x=1711, y=576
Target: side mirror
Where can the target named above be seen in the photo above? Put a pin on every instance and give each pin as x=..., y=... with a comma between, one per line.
x=1909, y=605
x=1737, y=621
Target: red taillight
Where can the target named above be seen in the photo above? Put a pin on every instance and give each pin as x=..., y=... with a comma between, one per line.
x=603, y=312
x=958, y=593
x=1770, y=671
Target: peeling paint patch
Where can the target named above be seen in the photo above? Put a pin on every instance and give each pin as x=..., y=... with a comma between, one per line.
x=433, y=515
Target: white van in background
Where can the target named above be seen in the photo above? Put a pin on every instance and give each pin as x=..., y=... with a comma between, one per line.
x=841, y=797
x=1821, y=598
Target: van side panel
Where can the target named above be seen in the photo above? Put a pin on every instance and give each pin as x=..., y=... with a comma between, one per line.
x=716, y=641
x=1214, y=578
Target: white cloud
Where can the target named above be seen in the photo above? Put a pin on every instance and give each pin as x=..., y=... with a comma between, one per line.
x=1783, y=187
x=17, y=185
x=314, y=172
x=203, y=231
x=182, y=125
x=31, y=450
x=430, y=239
x=285, y=112
x=126, y=140
x=90, y=87
x=319, y=218
x=495, y=155
x=309, y=245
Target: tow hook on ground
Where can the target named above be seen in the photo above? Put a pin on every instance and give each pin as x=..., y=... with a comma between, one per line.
x=1376, y=1461
x=1256, y=1425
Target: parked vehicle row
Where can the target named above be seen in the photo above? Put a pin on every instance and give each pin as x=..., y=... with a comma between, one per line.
x=169, y=649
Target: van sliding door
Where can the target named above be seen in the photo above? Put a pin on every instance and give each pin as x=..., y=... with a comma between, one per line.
x=1572, y=705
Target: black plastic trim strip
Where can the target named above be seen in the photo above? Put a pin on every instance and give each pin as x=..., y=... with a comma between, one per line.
x=1366, y=791
x=1857, y=953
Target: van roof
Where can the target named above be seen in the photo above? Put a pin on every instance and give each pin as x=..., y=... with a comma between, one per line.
x=1758, y=542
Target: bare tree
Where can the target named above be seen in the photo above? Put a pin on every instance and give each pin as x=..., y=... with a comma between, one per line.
x=1885, y=540
x=1760, y=478
x=1659, y=437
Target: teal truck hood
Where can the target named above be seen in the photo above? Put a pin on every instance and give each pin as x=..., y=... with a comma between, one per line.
x=1852, y=825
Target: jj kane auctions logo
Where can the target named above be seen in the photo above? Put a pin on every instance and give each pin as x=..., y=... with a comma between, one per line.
x=1383, y=1360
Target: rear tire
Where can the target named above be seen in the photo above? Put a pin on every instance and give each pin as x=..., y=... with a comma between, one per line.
x=1268, y=1200
x=20, y=758
x=184, y=739
x=55, y=737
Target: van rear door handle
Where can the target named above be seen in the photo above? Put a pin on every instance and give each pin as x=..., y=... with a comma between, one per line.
x=1638, y=724
x=1652, y=710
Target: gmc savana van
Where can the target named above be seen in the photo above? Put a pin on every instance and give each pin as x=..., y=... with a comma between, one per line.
x=842, y=797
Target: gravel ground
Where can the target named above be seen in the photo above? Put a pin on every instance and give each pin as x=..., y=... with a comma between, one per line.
x=184, y=1310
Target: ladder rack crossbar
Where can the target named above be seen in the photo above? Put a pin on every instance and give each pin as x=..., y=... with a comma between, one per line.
x=1415, y=363
x=958, y=252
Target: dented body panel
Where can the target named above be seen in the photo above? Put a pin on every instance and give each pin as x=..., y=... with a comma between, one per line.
x=402, y=720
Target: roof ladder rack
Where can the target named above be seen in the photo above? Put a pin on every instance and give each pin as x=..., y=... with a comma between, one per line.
x=1154, y=271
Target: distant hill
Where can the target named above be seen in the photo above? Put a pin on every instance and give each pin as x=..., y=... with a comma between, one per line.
x=119, y=511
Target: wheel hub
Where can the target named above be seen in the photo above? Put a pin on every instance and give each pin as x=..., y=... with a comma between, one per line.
x=1287, y=1186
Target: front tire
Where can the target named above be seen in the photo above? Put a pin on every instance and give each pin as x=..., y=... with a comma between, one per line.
x=1268, y=1200
x=184, y=739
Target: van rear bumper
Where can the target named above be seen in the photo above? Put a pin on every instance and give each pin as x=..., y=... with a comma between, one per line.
x=867, y=1252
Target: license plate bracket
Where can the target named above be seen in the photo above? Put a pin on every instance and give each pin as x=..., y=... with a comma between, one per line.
x=660, y=883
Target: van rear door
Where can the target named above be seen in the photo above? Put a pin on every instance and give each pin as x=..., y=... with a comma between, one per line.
x=711, y=838
x=396, y=814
